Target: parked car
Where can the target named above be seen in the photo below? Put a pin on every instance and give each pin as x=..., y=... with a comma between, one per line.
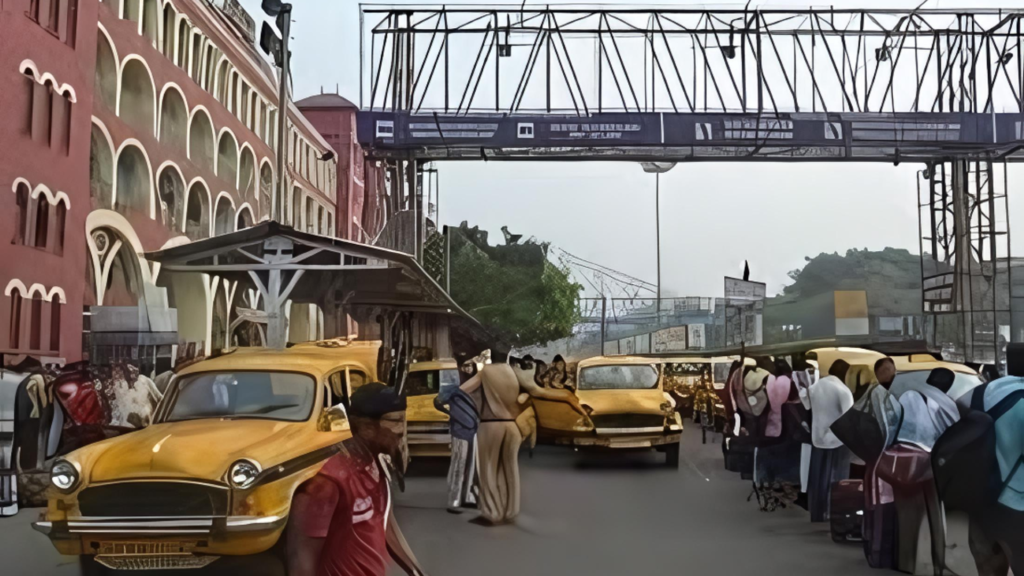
x=626, y=404
x=427, y=426
x=214, y=474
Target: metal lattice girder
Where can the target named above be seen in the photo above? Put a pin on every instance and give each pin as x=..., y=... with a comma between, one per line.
x=582, y=60
x=690, y=84
x=965, y=263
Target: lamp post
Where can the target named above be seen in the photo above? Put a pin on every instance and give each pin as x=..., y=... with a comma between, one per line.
x=657, y=168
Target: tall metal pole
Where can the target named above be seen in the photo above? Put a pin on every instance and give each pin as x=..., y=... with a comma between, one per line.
x=282, y=116
x=657, y=230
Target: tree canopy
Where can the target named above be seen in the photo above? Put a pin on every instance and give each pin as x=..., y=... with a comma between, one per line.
x=890, y=268
x=513, y=289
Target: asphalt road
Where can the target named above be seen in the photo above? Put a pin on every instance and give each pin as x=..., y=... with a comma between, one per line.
x=582, y=514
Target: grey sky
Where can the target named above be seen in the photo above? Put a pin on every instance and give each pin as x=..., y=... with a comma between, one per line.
x=714, y=215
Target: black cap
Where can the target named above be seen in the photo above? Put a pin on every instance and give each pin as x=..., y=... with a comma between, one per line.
x=942, y=378
x=374, y=400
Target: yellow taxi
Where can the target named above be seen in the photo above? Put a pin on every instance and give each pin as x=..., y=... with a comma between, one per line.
x=427, y=427
x=214, y=474
x=626, y=404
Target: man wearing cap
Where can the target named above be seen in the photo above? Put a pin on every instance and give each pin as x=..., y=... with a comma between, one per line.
x=342, y=522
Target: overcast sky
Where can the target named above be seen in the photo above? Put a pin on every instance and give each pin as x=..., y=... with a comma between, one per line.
x=714, y=215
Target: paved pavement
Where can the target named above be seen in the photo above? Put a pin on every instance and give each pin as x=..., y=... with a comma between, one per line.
x=582, y=514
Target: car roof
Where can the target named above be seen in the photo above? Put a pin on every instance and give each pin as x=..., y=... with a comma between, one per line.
x=700, y=360
x=922, y=362
x=617, y=360
x=315, y=360
x=853, y=356
x=433, y=365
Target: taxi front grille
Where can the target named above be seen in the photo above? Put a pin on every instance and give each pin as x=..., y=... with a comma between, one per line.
x=628, y=421
x=153, y=499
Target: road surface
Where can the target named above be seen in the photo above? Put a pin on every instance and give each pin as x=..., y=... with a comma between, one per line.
x=582, y=514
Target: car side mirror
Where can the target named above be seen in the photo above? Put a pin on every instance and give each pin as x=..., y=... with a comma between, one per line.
x=333, y=419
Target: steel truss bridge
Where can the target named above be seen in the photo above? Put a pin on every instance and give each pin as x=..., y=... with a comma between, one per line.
x=943, y=87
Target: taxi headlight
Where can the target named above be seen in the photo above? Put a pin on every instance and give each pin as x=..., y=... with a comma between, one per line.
x=243, y=473
x=64, y=476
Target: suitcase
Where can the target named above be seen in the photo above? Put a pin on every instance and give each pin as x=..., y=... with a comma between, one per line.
x=846, y=511
x=739, y=456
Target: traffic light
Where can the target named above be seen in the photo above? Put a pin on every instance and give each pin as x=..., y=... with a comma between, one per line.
x=270, y=42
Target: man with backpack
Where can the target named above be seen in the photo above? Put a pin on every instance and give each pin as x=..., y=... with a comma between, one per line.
x=978, y=468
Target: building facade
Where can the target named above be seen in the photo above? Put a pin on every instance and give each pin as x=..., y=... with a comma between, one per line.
x=130, y=126
x=360, y=181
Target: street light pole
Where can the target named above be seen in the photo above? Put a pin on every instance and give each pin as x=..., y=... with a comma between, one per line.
x=657, y=227
x=282, y=116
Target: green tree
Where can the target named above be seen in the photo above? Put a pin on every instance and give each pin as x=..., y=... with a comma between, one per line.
x=514, y=290
x=884, y=270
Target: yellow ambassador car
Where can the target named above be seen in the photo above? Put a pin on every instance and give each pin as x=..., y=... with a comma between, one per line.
x=627, y=406
x=214, y=474
x=427, y=426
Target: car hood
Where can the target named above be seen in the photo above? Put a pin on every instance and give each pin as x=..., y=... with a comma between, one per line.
x=623, y=401
x=200, y=449
x=421, y=409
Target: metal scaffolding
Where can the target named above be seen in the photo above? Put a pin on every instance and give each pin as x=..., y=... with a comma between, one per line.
x=579, y=60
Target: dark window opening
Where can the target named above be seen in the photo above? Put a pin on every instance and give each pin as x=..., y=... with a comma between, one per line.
x=21, y=228
x=15, y=327
x=35, y=327
x=42, y=223
x=55, y=325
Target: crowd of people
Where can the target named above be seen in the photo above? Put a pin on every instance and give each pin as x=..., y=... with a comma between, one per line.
x=876, y=457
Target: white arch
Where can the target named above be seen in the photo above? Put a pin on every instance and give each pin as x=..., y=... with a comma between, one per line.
x=117, y=222
x=216, y=150
x=30, y=66
x=51, y=197
x=160, y=108
x=209, y=205
x=152, y=84
x=149, y=168
x=28, y=292
x=188, y=134
x=252, y=215
x=223, y=195
x=238, y=168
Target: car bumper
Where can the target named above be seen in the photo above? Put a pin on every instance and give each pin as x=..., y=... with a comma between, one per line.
x=622, y=441
x=231, y=535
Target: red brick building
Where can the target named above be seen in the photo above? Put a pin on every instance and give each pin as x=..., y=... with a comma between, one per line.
x=360, y=181
x=129, y=126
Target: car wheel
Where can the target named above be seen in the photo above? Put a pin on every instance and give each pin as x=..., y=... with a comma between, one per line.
x=672, y=455
x=88, y=566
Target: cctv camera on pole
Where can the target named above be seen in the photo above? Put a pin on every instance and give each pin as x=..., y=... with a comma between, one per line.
x=278, y=49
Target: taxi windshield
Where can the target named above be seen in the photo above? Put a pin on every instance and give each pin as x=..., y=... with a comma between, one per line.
x=430, y=381
x=285, y=396
x=619, y=377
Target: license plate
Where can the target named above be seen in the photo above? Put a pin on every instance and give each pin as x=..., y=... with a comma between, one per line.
x=632, y=444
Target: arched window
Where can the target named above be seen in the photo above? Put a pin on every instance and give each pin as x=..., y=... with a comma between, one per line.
x=222, y=82
x=136, y=106
x=21, y=226
x=106, y=72
x=101, y=170
x=297, y=208
x=151, y=21
x=321, y=221
x=184, y=33
x=132, y=9
x=247, y=175
x=172, y=194
x=173, y=120
x=222, y=220
x=227, y=157
x=310, y=215
x=197, y=56
x=266, y=190
x=244, y=219
x=169, y=29
x=197, y=216
x=134, y=182
x=201, y=140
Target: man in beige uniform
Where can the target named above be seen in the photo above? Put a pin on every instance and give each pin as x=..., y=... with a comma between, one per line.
x=498, y=440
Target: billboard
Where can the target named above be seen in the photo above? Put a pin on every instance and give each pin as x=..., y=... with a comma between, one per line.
x=744, y=309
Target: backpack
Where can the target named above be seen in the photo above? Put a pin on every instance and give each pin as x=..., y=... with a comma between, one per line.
x=964, y=458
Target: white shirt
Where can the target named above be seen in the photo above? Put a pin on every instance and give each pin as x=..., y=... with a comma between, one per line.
x=830, y=399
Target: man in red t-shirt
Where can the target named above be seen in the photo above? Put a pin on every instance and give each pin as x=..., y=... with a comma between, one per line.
x=341, y=522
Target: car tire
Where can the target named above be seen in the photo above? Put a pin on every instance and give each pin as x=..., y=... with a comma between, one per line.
x=672, y=455
x=88, y=566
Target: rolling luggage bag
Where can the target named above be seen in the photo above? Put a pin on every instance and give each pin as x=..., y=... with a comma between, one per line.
x=846, y=514
x=739, y=455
